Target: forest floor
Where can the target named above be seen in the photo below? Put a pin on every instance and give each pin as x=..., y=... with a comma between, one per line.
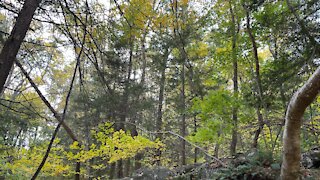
x=252, y=166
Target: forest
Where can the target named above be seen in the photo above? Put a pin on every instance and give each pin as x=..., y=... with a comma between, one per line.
x=159, y=89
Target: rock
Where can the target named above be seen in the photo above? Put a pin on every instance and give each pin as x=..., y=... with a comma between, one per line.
x=311, y=159
x=157, y=173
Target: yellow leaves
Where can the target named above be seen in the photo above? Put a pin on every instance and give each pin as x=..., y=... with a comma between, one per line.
x=112, y=146
x=198, y=50
x=184, y=2
x=2, y=17
x=75, y=145
x=162, y=20
x=264, y=54
x=136, y=14
x=25, y=161
x=99, y=166
x=109, y=146
x=221, y=50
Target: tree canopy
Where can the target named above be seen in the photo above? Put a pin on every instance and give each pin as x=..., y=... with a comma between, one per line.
x=97, y=89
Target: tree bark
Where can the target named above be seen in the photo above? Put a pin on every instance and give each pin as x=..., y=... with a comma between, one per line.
x=217, y=147
x=13, y=43
x=161, y=94
x=257, y=78
x=183, y=117
x=233, y=145
x=291, y=137
x=195, y=158
x=160, y=101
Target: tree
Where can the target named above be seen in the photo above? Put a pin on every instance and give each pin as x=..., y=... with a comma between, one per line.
x=234, y=31
x=297, y=106
x=302, y=98
x=194, y=74
x=13, y=43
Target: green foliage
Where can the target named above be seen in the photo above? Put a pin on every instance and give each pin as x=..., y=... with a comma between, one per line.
x=261, y=158
x=255, y=165
x=215, y=111
x=214, y=106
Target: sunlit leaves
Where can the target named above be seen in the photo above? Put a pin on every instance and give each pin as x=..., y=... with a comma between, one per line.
x=198, y=50
x=112, y=145
x=23, y=162
x=135, y=16
x=215, y=111
x=216, y=105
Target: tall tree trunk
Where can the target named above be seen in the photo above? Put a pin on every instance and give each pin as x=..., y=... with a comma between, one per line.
x=260, y=128
x=134, y=132
x=13, y=43
x=217, y=147
x=196, y=150
x=257, y=78
x=183, y=117
x=160, y=101
x=290, y=168
x=112, y=170
x=184, y=58
x=144, y=58
x=233, y=145
x=87, y=143
x=124, y=106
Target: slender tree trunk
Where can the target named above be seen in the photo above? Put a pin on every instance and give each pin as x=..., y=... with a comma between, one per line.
x=183, y=117
x=112, y=170
x=233, y=145
x=183, y=64
x=160, y=101
x=13, y=43
x=144, y=58
x=259, y=130
x=55, y=114
x=290, y=169
x=255, y=55
x=17, y=138
x=283, y=100
x=195, y=131
x=257, y=79
x=127, y=167
x=88, y=142
x=217, y=147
